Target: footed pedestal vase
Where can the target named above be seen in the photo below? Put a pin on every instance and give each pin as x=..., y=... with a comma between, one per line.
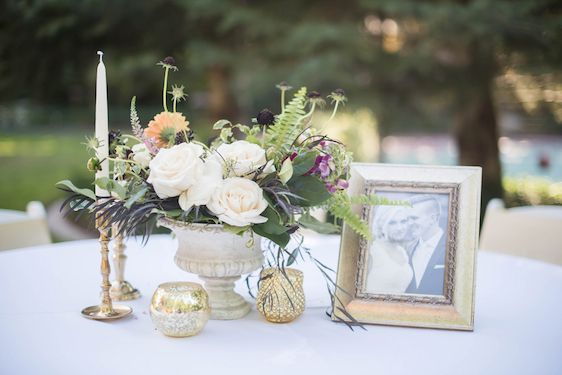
x=219, y=258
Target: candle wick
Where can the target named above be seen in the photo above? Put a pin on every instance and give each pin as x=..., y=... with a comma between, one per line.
x=101, y=55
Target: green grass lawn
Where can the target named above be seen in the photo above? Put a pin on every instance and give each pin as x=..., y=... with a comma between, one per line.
x=31, y=164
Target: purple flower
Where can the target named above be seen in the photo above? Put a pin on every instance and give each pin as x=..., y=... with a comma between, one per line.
x=322, y=166
x=342, y=184
x=331, y=187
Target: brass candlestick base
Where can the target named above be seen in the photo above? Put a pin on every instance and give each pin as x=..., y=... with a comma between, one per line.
x=96, y=313
x=105, y=310
x=123, y=291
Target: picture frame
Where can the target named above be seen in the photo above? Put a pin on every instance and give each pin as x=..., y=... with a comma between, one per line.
x=419, y=267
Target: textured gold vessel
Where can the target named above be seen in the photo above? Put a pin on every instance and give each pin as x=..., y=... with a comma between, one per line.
x=180, y=309
x=281, y=295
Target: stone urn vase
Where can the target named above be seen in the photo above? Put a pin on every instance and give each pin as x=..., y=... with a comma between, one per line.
x=219, y=258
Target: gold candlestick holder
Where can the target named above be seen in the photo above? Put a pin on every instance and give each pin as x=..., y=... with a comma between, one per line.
x=105, y=310
x=121, y=289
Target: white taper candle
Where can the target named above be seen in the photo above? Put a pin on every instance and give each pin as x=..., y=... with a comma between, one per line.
x=102, y=124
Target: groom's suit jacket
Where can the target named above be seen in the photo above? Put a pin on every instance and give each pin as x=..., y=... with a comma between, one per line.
x=432, y=281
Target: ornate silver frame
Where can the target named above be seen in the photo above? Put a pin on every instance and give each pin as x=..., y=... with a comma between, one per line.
x=371, y=187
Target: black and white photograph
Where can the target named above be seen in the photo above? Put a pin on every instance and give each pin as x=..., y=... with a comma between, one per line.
x=407, y=254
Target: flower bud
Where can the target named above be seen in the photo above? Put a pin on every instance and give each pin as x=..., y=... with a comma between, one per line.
x=93, y=164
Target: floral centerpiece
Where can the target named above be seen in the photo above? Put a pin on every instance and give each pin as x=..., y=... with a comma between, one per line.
x=263, y=178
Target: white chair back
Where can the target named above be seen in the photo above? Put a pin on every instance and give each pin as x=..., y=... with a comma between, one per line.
x=22, y=229
x=530, y=231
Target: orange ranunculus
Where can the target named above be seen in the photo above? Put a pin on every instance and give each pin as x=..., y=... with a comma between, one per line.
x=166, y=125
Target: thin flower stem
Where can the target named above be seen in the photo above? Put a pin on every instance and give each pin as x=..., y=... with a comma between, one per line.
x=122, y=160
x=282, y=101
x=165, y=88
x=334, y=111
x=175, y=101
x=312, y=108
x=263, y=137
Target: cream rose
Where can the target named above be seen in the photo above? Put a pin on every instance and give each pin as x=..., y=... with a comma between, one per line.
x=241, y=158
x=176, y=169
x=200, y=193
x=141, y=154
x=238, y=202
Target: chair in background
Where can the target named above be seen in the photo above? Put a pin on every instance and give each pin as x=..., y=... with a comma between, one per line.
x=530, y=231
x=22, y=229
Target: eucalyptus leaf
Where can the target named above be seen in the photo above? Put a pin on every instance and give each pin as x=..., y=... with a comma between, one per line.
x=69, y=185
x=221, y=124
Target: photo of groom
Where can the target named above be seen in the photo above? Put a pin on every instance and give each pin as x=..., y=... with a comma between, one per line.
x=407, y=255
x=426, y=250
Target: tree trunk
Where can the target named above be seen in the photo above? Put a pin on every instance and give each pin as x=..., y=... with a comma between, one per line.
x=476, y=134
x=222, y=103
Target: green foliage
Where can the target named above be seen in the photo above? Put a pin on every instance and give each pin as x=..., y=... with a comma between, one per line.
x=312, y=190
x=340, y=205
x=287, y=125
x=67, y=184
x=531, y=191
x=310, y=222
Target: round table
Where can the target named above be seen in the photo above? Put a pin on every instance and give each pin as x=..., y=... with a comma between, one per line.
x=518, y=324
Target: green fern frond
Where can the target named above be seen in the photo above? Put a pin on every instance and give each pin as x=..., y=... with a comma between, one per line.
x=376, y=200
x=339, y=205
x=288, y=125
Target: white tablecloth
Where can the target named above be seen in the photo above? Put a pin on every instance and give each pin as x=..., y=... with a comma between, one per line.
x=518, y=324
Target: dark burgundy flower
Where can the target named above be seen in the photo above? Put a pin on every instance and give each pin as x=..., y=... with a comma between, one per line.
x=265, y=117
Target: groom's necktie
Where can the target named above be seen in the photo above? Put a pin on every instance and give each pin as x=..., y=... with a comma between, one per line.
x=413, y=284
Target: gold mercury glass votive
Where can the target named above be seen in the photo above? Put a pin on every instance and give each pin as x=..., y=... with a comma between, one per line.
x=281, y=296
x=180, y=309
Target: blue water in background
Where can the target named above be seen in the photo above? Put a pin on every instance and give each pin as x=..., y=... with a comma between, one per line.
x=520, y=156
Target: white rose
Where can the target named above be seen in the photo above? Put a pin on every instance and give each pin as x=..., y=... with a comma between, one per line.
x=200, y=193
x=176, y=169
x=141, y=154
x=242, y=158
x=238, y=202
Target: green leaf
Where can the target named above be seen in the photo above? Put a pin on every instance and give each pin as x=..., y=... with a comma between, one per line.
x=138, y=195
x=311, y=189
x=85, y=192
x=280, y=239
x=286, y=171
x=112, y=186
x=293, y=257
x=303, y=163
x=273, y=224
x=310, y=222
x=236, y=230
x=221, y=124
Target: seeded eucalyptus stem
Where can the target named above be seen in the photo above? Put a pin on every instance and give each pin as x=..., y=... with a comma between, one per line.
x=166, y=69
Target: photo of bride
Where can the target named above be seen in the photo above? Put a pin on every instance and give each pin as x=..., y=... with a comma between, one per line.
x=407, y=255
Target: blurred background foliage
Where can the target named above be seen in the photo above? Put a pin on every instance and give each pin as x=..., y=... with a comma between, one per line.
x=461, y=73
